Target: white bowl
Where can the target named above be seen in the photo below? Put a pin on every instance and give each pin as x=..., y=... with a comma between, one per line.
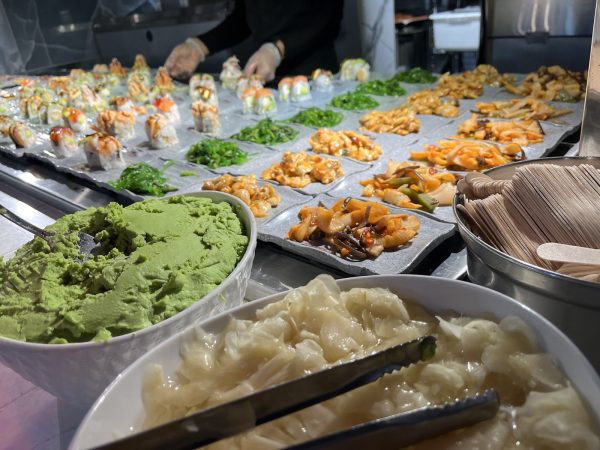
x=77, y=373
x=120, y=407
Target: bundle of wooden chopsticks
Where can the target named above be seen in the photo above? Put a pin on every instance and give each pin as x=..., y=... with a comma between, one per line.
x=541, y=203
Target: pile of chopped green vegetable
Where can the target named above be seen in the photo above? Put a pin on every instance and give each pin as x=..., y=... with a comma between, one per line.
x=216, y=153
x=143, y=179
x=391, y=88
x=317, y=117
x=415, y=75
x=354, y=100
x=266, y=132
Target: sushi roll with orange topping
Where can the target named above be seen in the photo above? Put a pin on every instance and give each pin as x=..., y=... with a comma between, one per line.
x=241, y=85
x=163, y=82
x=103, y=151
x=63, y=141
x=255, y=82
x=206, y=118
x=248, y=101
x=300, y=89
x=265, y=102
x=122, y=104
x=75, y=119
x=117, y=123
x=285, y=89
x=160, y=132
x=322, y=80
x=21, y=134
x=205, y=95
x=168, y=108
x=117, y=69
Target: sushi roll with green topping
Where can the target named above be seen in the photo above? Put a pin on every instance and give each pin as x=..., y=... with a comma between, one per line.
x=21, y=134
x=63, y=141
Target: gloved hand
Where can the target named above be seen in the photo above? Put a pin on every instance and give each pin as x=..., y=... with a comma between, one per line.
x=264, y=62
x=184, y=58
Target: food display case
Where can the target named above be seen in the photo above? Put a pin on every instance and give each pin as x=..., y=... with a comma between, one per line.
x=318, y=183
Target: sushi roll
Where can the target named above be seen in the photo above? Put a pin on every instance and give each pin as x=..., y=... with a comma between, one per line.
x=103, y=151
x=285, y=89
x=160, y=131
x=51, y=114
x=206, y=118
x=63, y=141
x=31, y=106
x=355, y=69
x=75, y=119
x=205, y=95
x=117, y=123
x=137, y=90
x=21, y=134
x=116, y=68
x=87, y=99
x=322, y=80
x=168, y=108
x=231, y=73
x=300, y=89
x=5, y=123
x=241, y=85
x=249, y=101
x=163, y=82
x=202, y=80
x=122, y=104
x=100, y=68
x=265, y=102
x=255, y=82
x=140, y=63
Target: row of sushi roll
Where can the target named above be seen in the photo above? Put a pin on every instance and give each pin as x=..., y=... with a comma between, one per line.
x=295, y=89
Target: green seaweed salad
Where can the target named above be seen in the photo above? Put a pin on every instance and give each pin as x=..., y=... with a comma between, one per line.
x=390, y=88
x=354, y=100
x=415, y=75
x=266, y=132
x=143, y=179
x=216, y=153
x=317, y=117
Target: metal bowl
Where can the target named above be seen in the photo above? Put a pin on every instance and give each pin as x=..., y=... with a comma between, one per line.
x=571, y=304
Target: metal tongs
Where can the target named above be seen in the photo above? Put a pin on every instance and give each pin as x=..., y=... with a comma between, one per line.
x=395, y=431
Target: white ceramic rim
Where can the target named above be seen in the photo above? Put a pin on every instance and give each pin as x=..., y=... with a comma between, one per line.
x=371, y=281
x=246, y=217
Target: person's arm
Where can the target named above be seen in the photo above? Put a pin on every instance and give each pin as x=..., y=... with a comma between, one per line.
x=316, y=24
x=233, y=30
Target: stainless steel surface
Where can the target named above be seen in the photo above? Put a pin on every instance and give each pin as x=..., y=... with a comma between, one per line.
x=23, y=223
x=231, y=418
x=572, y=305
x=590, y=129
x=521, y=35
x=410, y=427
x=505, y=18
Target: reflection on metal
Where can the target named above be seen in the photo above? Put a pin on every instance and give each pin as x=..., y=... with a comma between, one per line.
x=590, y=129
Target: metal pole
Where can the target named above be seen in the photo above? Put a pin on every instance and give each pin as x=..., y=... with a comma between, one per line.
x=590, y=128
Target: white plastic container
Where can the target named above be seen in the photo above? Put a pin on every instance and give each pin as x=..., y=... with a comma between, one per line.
x=457, y=30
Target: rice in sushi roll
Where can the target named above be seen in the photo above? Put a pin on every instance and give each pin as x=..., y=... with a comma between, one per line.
x=355, y=69
x=21, y=134
x=206, y=118
x=202, y=80
x=51, y=114
x=75, y=119
x=300, y=89
x=103, y=151
x=265, y=102
x=322, y=80
x=285, y=89
x=122, y=104
x=63, y=141
x=160, y=131
x=248, y=101
x=231, y=73
x=117, y=123
x=205, y=95
x=168, y=108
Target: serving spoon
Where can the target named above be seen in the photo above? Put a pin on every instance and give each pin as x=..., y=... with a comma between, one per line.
x=87, y=244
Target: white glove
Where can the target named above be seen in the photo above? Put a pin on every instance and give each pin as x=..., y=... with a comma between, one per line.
x=184, y=58
x=264, y=62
